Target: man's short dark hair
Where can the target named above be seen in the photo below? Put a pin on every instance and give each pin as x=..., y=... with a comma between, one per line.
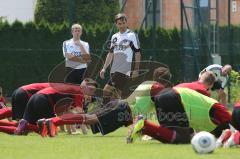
x=162, y=75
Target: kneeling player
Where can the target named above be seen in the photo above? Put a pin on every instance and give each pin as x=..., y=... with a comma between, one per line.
x=47, y=102
x=20, y=98
x=179, y=112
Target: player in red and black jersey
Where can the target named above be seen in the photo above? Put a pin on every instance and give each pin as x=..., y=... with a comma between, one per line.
x=52, y=100
x=20, y=98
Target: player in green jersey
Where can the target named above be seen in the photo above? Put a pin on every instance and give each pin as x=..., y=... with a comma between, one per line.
x=180, y=112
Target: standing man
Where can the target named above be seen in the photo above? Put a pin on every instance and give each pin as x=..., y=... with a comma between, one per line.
x=221, y=73
x=76, y=53
x=124, y=44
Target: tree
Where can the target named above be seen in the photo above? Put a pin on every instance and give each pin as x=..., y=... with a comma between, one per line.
x=82, y=11
x=51, y=11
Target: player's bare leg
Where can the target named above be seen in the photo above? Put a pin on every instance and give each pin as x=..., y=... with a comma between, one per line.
x=49, y=126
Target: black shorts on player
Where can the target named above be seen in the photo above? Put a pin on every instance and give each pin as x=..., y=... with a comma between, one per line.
x=37, y=108
x=20, y=99
x=111, y=117
x=170, y=111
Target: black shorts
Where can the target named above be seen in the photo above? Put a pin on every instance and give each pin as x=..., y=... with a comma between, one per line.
x=118, y=80
x=170, y=111
x=20, y=99
x=111, y=117
x=74, y=76
x=37, y=108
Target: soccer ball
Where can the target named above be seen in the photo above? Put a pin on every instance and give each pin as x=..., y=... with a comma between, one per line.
x=203, y=142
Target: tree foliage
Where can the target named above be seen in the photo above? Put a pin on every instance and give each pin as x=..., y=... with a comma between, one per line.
x=88, y=12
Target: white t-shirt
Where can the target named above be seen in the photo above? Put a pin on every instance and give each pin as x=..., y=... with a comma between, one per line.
x=123, y=45
x=217, y=70
x=70, y=47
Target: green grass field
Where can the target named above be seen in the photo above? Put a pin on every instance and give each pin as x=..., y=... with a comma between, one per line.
x=96, y=146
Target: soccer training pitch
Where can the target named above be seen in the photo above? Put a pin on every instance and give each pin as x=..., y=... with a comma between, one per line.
x=96, y=146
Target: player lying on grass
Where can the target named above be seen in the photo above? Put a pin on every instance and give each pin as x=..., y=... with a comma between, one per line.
x=113, y=115
x=52, y=100
x=180, y=111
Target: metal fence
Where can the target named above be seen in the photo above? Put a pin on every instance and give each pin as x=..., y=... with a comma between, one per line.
x=209, y=31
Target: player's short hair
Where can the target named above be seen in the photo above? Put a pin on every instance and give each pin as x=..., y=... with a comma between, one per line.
x=90, y=82
x=121, y=16
x=76, y=26
x=208, y=77
x=162, y=75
